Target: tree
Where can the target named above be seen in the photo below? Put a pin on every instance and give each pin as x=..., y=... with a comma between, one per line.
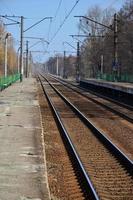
x=12, y=57
x=2, y=31
x=95, y=47
x=92, y=50
x=70, y=65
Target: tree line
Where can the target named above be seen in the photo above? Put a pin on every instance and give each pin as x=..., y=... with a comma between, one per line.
x=11, y=52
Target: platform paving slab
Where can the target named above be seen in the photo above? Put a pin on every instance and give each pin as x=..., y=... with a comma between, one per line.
x=23, y=173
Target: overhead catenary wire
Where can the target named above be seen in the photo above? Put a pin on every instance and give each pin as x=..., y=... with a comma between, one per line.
x=51, y=21
x=66, y=17
x=49, y=29
x=58, y=8
x=105, y=10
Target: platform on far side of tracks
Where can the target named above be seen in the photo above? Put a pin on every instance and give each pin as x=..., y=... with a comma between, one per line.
x=122, y=92
x=119, y=86
x=23, y=173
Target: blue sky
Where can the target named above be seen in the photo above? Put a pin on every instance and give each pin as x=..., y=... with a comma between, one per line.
x=35, y=10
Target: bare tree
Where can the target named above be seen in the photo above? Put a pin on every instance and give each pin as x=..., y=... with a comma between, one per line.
x=11, y=59
x=92, y=51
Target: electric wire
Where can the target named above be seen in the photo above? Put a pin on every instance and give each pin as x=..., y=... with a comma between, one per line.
x=58, y=8
x=105, y=10
x=66, y=17
x=49, y=29
x=51, y=21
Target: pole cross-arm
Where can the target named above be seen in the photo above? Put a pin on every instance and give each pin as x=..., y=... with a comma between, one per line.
x=109, y=27
x=70, y=45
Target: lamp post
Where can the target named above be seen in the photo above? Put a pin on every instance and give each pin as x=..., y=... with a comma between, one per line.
x=5, y=64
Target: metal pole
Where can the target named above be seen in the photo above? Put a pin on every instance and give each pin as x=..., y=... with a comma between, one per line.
x=21, y=49
x=18, y=60
x=102, y=63
x=5, y=67
x=78, y=63
x=27, y=59
x=30, y=64
x=57, y=67
x=116, y=43
x=64, y=69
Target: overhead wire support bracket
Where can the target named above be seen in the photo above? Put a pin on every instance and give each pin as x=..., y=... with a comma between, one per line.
x=37, y=38
x=8, y=18
x=11, y=24
x=109, y=27
x=37, y=23
x=89, y=35
x=70, y=45
x=79, y=35
x=13, y=16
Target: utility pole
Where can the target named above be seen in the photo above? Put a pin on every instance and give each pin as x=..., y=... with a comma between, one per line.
x=21, y=49
x=18, y=61
x=5, y=67
x=27, y=59
x=78, y=63
x=102, y=63
x=64, y=69
x=57, y=65
x=116, y=67
x=30, y=63
x=21, y=39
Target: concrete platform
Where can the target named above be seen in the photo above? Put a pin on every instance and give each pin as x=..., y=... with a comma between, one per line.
x=122, y=92
x=119, y=86
x=23, y=173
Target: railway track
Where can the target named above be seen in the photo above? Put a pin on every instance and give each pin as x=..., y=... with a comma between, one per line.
x=124, y=105
x=114, y=126
x=65, y=178
x=62, y=178
x=107, y=169
x=114, y=106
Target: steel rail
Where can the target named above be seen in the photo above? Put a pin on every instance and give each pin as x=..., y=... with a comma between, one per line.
x=107, y=98
x=86, y=179
x=123, y=159
x=97, y=102
x=129, y=107
x=100, y=95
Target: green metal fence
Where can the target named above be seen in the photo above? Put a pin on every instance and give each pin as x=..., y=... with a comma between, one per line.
x=6, y=81
x=114, y=78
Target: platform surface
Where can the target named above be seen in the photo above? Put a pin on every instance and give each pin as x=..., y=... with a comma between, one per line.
x=23, y=173
x=121, y=86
